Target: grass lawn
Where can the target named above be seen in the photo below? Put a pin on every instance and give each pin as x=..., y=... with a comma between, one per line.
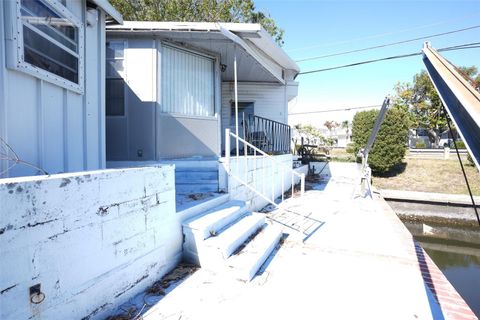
x=442, y=176
x=339, y=154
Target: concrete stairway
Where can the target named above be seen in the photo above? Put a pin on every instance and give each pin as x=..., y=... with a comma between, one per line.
x=229, y=238
x=196, y=177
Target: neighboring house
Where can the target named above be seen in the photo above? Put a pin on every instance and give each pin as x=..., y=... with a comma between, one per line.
x=175, y=79
x=446, y=138
x=52, y=109
x=419, y=137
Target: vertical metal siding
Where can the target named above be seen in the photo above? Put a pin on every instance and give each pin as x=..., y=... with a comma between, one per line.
x=187, y=83
x=3, y=91
x=47, y=125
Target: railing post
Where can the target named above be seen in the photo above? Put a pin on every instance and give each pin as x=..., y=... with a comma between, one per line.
x=302, y=184
x=293, y=183
x=227, y=151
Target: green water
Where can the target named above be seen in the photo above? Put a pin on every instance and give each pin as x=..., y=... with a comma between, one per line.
x=456, y=251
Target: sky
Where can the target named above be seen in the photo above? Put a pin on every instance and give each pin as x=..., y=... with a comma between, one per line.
x=315, y=28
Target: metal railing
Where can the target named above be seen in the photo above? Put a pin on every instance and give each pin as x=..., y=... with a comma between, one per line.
x=268, y=135
x=260, y=166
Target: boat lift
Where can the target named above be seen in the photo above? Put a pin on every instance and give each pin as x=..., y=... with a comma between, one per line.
x=366, y=172
x=459, y=97
x=461, y=102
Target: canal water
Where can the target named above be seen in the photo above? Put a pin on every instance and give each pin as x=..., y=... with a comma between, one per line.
x=456, y=251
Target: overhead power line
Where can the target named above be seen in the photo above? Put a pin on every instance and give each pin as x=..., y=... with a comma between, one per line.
x=458, y=47
x=388, y=44
x=362, y=62
x=334, y=110
x=380, y=35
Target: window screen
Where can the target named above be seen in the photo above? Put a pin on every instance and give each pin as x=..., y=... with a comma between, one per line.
x=50, y=41
x=115, y=84
x=187, y=83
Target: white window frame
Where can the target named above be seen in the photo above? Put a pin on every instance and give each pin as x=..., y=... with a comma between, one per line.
x=16, y=58
x=121, y=76
x=166, y=43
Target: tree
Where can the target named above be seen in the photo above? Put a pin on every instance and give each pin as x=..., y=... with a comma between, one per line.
x=391, y=142
x=469, y=74
x=308, y=131
x=198, y=11
x=331, y=125
x=346, y=125
x=424, y=103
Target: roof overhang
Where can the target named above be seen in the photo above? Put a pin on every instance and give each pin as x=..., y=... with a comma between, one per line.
x=252, y=39
x=109, y=9
x=459, y=97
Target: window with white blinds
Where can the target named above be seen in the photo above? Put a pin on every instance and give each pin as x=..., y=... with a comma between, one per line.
x=187, y=83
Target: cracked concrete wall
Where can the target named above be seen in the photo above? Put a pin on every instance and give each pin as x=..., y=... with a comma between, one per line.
x=262, y=174
x=91, y=240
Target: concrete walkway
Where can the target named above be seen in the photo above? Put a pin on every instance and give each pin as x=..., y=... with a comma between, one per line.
x=361, y=263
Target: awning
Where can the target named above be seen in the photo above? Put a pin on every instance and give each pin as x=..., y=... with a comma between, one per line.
x=259, y=57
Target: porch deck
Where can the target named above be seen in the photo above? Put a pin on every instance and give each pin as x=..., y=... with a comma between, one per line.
x=362, y=263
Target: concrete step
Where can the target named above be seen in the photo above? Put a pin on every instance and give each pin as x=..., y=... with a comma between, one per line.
x=247, y=262
x=234, y=236
x=191, y=209
x=197, y=169
x=179, y=164
x=200, y=187
x=196, y=175
x=216, y=219
x=196, y=181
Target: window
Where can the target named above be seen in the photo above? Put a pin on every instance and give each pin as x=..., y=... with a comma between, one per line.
x=187, y=83
x=49, y=43
x=115, y=84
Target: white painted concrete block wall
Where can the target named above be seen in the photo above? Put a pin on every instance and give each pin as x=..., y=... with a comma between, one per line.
x=263, y=174
x=91, y=239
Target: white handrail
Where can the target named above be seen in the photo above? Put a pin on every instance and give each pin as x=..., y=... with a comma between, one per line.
x=229, y=133
x=265, y=193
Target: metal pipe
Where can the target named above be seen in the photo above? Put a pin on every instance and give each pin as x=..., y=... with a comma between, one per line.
x=302, y=184
x=236, y=94
x=227, y=150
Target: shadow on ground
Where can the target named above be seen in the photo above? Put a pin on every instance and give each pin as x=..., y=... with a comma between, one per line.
x=395, y=171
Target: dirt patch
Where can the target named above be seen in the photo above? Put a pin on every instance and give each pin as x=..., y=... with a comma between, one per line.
x=159, y=289
x=198, y=196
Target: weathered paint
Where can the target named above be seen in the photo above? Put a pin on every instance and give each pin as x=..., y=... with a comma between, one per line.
x=263, y=174
x=47, y=125
x=91, y=239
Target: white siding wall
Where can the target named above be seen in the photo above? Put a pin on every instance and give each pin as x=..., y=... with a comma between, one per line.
x=47, y=125
x=269, y=101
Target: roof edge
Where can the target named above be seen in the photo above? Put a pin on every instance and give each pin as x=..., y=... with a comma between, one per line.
x=260, y=37
x=109, y=9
